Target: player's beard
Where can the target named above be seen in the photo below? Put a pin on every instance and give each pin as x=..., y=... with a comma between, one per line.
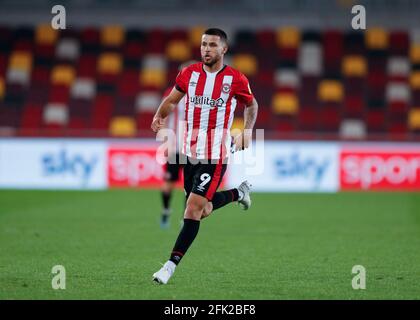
x=211, y=62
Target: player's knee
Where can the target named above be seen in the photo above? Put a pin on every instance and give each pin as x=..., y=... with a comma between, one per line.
x=207, y=210
x=194, y=210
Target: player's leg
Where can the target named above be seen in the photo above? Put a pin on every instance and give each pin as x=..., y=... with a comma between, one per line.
x=170, y=177
x=163, y=275
x=166, y=192
x=222, y=198
x=241, y=194
x=197, y=179
x=196, y=202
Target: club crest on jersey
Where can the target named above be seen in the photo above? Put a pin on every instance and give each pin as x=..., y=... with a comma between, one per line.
x=226, y=87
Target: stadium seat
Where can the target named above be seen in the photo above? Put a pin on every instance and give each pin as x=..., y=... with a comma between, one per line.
x=354, y=66
x=123, y=126
x=152, y=78
x=67, y=49
x=124, y=106
x=354, y=106
x=246, y=63
x=331, y=91
x=83, y=88
x=156, y=41
x=178, y=50
x=109, y=63
x=414, y=119
x=285, y=103
x=398, y=68
x=133, y=50
x=56, y=114
x=45, y=34
x=310, y=59
x=399, y=43
x=38, y=93
x=90, y=39
x=287, y=78
x=288, y=37
x=31, y=117
x=40, y=75
x=376, y=38
x=352, y=129
x=86, y=67
x=2, y=88
x=353, y=86
x=195, y=34
x=376, y=121
x=415, y=80
x=154, y=61
x=352, y=83
x=415, y=53
x=59, y=94
x=18, y=77
x=128, y=85
x=101, y=113
x=354, y=43
x=308, y=118
x=397, y=92
x=148, y=101
x=112, y=36
x=3, y=64
x=284, y=124
x=21, y=60
x=63, y=74
x=415, y=97
x=308, y=90
x=329, y=117
x=266, y=39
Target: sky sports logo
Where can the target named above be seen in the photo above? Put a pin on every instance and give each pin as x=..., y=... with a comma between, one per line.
x=66, y=164
x=298, y=166
x=380, y=170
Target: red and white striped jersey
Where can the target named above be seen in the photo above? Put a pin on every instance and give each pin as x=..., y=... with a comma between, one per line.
x=211, y=99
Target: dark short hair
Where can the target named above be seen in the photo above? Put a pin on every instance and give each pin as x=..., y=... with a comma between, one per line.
x=217, y=32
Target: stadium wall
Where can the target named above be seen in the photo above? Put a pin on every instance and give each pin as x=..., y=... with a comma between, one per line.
x=272, y=166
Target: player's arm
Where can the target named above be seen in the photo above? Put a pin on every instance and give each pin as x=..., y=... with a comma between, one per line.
x=167, y=105
x=243, y=140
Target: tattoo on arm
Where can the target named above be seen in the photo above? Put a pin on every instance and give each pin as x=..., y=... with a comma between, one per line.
x=250, y=115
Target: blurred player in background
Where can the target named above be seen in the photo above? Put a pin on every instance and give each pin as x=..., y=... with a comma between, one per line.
x=174, y=122
x=212, y=91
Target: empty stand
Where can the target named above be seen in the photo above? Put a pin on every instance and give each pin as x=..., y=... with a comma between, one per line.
x=108, y=81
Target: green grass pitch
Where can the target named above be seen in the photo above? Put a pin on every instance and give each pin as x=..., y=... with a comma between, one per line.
x=287, y=246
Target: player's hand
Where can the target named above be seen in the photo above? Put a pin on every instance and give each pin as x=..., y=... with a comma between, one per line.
x=157, y=123
x=241, y=141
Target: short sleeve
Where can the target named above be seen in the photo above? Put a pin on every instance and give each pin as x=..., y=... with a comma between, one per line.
x=243, y=93
x=181, y=81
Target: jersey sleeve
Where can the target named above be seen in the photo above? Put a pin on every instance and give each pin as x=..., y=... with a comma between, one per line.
x=243, y=93
x=181, y=81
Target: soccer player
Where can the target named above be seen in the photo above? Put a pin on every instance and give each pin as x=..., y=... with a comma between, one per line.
x=212, y=91
x=176, y=159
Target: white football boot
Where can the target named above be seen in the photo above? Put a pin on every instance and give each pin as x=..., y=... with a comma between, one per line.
x=165, y=273
x=244, y=191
